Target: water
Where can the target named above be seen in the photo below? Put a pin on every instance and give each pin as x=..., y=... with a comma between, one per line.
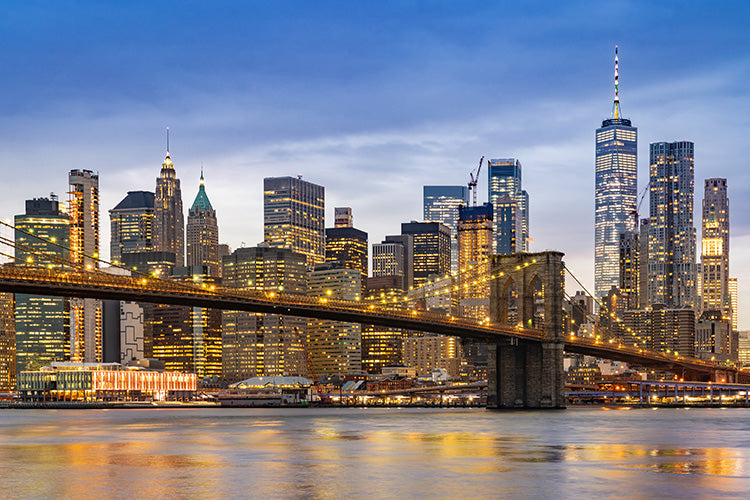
x=375, y=453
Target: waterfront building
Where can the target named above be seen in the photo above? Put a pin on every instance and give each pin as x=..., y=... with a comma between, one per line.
x=334, y=347
x=431, y=249
x=510, y=225
x=440, y=204
x=42, y=238
x=616, y=190
x=714, y=337
x=429, y=353
x=661, y=329
x=131, y=225
x=294, y=216
x=169, y=220
x=86, y=382
x=382, y=345
x=188, y=339
x=743, y=348
x=346, y=244
x=7, y=343
x=671, y=252
x=714, y=282
x=261, y=344
x=202, y=233
x=85, y=314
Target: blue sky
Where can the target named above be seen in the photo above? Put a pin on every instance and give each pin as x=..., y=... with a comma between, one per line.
x=373, y=100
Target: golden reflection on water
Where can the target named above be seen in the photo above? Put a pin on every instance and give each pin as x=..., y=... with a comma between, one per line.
x=338, y=454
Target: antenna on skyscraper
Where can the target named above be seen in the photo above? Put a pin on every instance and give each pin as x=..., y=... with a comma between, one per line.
x=167, y=141
x=616, y=111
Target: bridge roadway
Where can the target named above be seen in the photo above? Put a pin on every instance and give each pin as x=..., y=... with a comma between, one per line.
x=96, y=284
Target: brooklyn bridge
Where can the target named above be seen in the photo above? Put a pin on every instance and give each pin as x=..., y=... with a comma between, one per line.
x=525, y=367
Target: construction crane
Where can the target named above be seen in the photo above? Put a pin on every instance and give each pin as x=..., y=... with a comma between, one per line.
x=473, y=182
x=637, y=208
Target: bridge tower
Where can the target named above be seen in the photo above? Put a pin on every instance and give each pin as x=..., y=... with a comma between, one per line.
x=526, y=289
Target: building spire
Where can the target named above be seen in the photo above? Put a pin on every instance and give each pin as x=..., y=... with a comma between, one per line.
x=616, y=110
x=167, y=142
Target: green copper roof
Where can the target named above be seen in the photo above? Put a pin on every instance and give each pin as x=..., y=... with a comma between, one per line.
x=201, y=202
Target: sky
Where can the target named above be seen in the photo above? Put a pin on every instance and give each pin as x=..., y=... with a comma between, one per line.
x=373, y=100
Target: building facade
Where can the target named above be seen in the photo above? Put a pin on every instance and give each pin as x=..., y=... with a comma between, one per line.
x=294, y=216
x=672, y=269
x=348, y=245
x=42, y=239
x=260, y=344
x=511, y=215
x=86, y=315
x=169, y=219
x=202, y=233
x=474, y=249
x=440, y=204
x=7, y=343
x=715, y=294
x=661, y=329
x=431, y=249
x=131, y=225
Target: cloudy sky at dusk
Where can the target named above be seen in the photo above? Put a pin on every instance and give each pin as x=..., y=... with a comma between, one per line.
x=372, y=100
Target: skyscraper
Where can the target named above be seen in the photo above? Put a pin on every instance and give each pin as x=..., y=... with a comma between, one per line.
x=510, y=222
x=86, y=314
x=132, y=223
x=334, y=347
x=432, y=251
x=671, y=248
x=7, y=343
x=441, y=205
x=474, y=247
x=169, y=221
x=630, y=268
x=346, y=244
x=202, y=233
x=715, y=249
x=616, y=192
x=294, y=216
x=42, y=237
x=257, y=344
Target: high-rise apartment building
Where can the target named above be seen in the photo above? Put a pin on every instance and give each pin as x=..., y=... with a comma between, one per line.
x=294, y=216
x=733, y=298
x=258, y=344
x=202, y=233
x=42, y=238
x=671, y=248
x=510, y=222
x=393, y=257
x=616, y=187
x=474, y=249
x=7, y=343
x=429, y=353
x=131, y=223
x=661, y=329
x=86, y=315
x=715, y=249
x=169, y=220
x=334, y=347
x=441, y=205
x=431, y=249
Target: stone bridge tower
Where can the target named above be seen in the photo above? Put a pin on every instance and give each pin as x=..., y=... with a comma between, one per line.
x=526, y=290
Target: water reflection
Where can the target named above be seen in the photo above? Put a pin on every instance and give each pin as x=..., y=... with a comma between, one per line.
x=384, y=453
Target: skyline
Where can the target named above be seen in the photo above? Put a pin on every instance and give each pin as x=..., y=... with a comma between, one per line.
x=323, y=92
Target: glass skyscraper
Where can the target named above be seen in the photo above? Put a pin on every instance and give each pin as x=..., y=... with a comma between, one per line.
x=510, y=223
x=616, y=194
x=715, y=249
x=441, y=205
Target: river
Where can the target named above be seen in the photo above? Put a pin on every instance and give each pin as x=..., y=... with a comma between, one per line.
x=375, y=453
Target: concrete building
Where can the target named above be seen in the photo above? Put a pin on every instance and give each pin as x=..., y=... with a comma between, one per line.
x=428, y=353
x=85, y=314
x=630, y=268
x=661, y=329
x=714, y=337
x=394, y=257
x=671, y=266
x=260, y=344
x=440, y=204
x=334, y=347
x=348, y=245
x=432, y=251
x=42, y=237
x=131, y=225
x=7, y=343
x=169, y=219
x=381, y=345
x=202, y=233
x=294, y=216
